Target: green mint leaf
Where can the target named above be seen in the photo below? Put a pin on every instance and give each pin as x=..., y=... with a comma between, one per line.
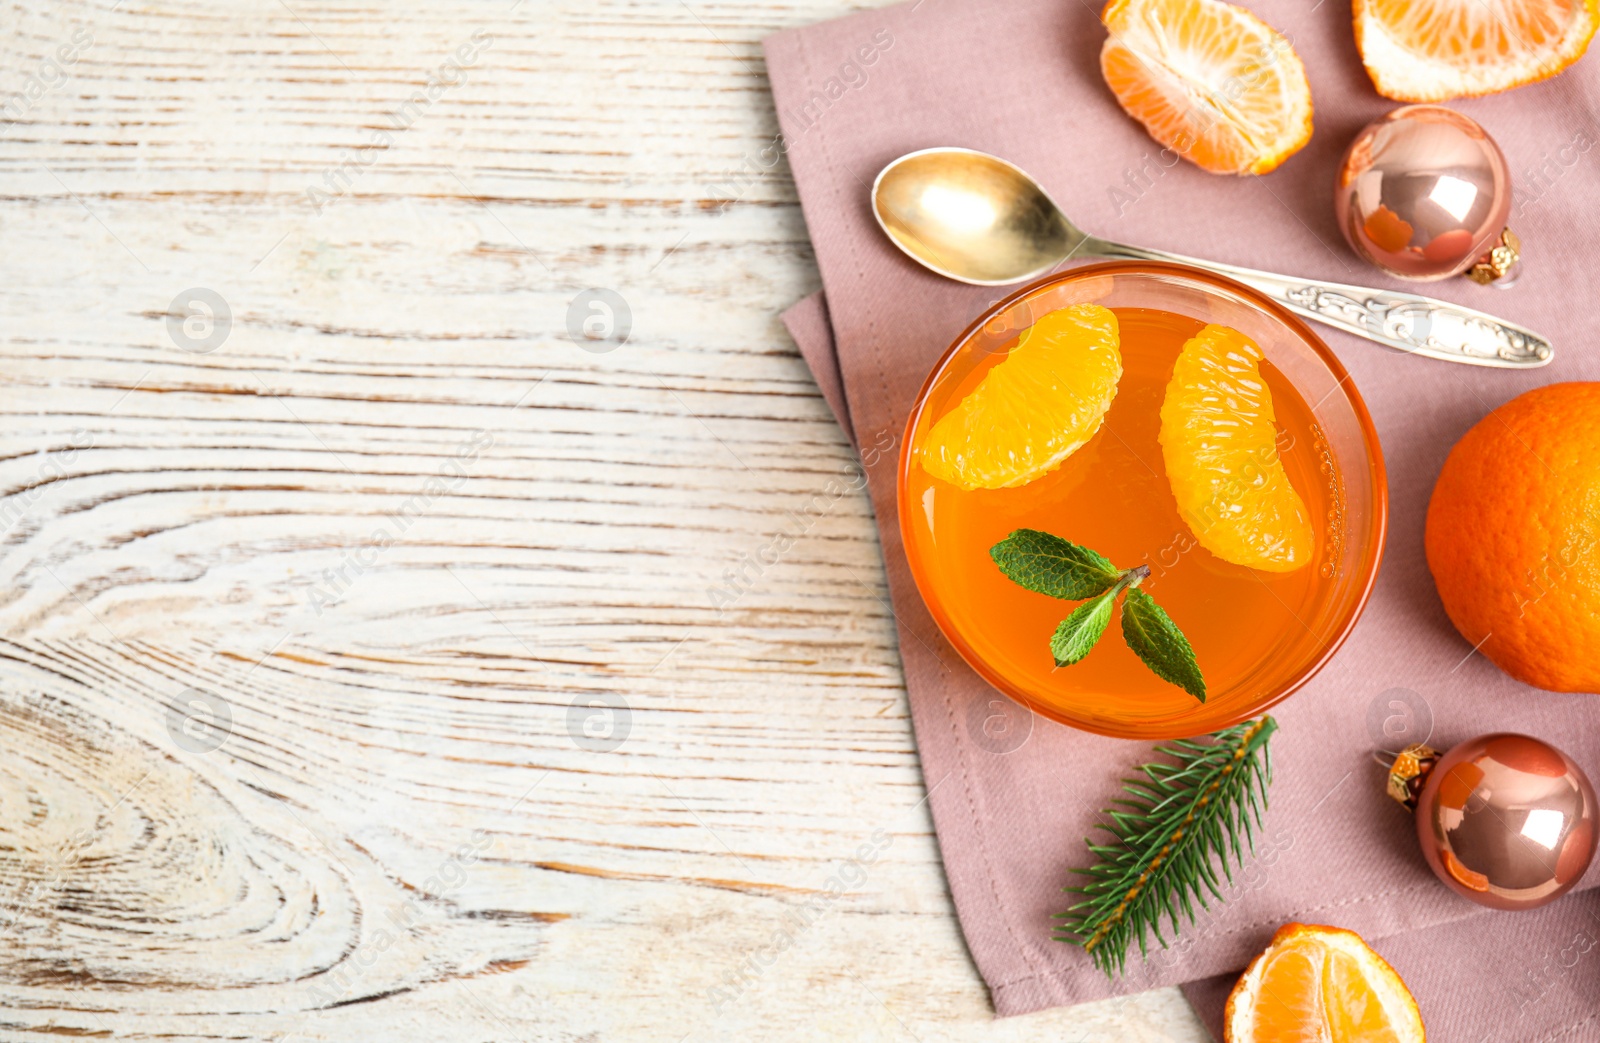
x=1080, y=631
x=1050, y=565
x=1156, y=639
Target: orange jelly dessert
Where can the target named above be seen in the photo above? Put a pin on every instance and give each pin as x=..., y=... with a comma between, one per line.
x=1187, y=451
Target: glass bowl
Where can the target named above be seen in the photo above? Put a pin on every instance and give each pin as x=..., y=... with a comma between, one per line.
x=1257, y=636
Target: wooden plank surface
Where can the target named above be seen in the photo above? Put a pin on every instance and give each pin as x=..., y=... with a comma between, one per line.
x=362, y=676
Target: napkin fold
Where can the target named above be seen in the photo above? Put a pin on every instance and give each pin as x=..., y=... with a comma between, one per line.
x=1013, y=795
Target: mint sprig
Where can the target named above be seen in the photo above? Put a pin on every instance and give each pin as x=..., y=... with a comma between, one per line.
x=1047, y=564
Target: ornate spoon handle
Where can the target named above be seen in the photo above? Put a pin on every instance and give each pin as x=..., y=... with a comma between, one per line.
x=1404, y=321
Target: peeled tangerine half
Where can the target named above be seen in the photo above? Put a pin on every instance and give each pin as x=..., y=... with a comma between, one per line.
x=1210, y=81
x=1219, y=442
x=1320, y=985
x=1034, y=409
x=1430, y=50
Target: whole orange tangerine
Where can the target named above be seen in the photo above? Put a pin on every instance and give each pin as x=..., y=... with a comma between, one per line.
x=1513, y=537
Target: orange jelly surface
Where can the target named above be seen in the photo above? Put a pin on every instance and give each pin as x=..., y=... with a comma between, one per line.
x=1247, y=627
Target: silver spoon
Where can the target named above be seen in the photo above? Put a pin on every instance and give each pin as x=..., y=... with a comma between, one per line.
x=975, y=218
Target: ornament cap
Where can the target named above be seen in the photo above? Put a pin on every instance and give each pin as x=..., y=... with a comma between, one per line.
x=1498, y=261
x=1409, y=773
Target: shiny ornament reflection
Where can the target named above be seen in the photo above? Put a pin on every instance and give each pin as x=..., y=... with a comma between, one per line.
x=1423, y=193
x=1505, y=820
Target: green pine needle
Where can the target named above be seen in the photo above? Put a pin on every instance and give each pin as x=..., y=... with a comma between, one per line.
x=1180, y=823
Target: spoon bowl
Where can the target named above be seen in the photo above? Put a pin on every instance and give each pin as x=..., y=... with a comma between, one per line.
x=978, y=219
x=971, y=217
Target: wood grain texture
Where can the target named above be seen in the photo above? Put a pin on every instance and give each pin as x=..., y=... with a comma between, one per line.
x=398, y=522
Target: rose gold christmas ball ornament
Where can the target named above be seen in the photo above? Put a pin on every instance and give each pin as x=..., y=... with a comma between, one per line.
x=1423, y=193
x=1505, y=820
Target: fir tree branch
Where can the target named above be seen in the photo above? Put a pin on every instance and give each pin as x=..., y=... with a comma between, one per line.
x=1180, y=822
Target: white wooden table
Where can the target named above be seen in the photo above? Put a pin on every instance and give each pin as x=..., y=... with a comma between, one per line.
x=300, y=590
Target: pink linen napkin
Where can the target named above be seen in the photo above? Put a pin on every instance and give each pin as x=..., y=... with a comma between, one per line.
x=1013, y=803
